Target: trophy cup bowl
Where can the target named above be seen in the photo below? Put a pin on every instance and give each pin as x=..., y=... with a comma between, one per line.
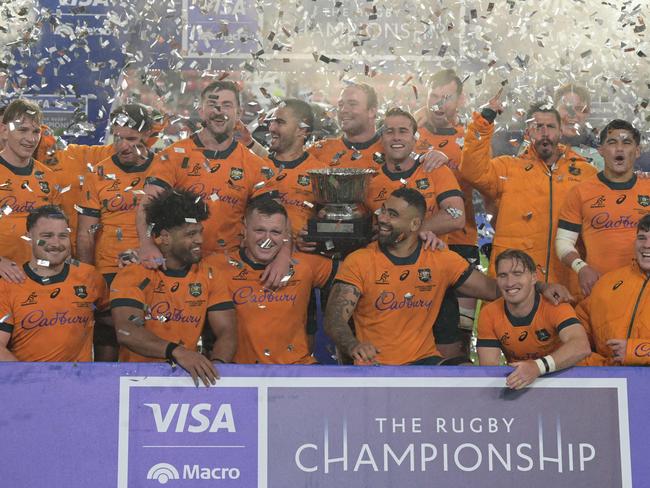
x=343, y=223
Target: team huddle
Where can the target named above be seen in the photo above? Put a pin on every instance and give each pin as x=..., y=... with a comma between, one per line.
x=199, y=253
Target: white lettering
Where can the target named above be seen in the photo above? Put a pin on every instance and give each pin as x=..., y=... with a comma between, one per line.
x=200, y=413
x=524, y=456
x=479, y=457
x=365, y=450
x=408, y=452
x=492, y=453
x=584, y=459
x=424, y=458
x=301, y=466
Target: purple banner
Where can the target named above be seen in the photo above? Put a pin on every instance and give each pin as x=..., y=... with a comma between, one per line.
x=147, y=426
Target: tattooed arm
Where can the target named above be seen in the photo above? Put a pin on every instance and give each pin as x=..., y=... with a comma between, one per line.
x=340, y=305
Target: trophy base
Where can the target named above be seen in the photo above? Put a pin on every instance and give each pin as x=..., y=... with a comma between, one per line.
x=339, y=236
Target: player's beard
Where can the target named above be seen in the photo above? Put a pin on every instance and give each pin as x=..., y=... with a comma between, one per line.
x=545, y=151
x=390, y=240
x=221, y=136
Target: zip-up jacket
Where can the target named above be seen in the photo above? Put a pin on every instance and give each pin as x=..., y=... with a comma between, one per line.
x=618, y=308
x=530, y=195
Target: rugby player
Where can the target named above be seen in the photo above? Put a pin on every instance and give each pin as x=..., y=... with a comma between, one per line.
x=535, y=336
x=222, y=171
x=394, y=287
x=529, y=189
x=159, y=313
x=107, y=209
x=24, y=183
x=604, y=210
x=273, y=326
x=616, y=314
x=49, y=316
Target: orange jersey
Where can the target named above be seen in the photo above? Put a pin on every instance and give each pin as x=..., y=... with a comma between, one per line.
x=450, y=142
x=605, y=214
x=400, y=298
x=293, y=185
x=225, y=179
x=175, y=301
x=272, y=324
x=530, y=196
x=618, y=308
x=341, y=153
x=22, y=190
x=111, y=194
x=435, y=186
x=72, y=165
x=523, y=338
x=51, y=318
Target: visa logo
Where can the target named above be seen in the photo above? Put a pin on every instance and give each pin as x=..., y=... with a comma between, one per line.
x=84, y=3
x=194, y=419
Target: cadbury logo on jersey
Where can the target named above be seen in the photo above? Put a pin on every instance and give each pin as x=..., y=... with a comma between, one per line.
x=195, y=289
x=542, y=335
x=424, y=274
x=80, y=291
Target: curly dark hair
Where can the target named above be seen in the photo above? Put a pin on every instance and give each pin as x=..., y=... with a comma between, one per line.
x=175, y=208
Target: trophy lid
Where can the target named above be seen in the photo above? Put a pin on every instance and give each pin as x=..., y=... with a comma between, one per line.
x=340, y=185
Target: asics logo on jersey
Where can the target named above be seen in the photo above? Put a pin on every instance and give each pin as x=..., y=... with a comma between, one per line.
x=404, y=275
x=621, y=199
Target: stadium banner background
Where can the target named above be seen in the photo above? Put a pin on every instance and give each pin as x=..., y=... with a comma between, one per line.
x=140, y=425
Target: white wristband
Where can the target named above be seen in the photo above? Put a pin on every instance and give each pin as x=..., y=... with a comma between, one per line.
x=577, y=265
x=545, y=364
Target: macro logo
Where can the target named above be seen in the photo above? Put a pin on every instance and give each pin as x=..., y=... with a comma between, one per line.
x=163, y=472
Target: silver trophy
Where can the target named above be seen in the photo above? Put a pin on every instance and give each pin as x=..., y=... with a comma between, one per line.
x=343, y=222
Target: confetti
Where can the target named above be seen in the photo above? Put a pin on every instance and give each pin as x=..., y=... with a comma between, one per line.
x=28, y=239
x=43, y=262
x=266, y=244
x=190, y=220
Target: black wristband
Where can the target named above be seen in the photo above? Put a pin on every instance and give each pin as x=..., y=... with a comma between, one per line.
x=489, y=114
x=252, y=143
x=546, y=365
x=168, y=351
